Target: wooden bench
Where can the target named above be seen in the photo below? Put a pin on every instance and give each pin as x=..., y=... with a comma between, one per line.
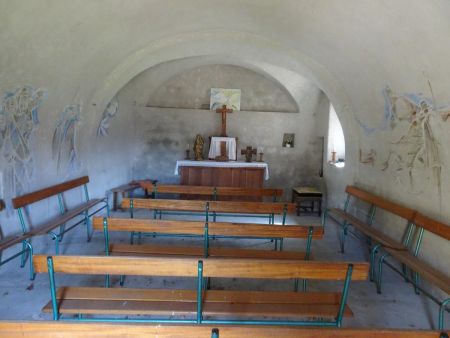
x=411, y=260
x=65, y=215
x=211, y=192
x=220, y=306
x=26, y=249
x=16, y=329
x=345, y=219
x=214, y=208
x=205, y=231
x=128, y=190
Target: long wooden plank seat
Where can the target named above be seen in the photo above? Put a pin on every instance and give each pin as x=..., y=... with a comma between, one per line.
x=241, y=304
x=80, y=213
x=192, y=251
x=212, y=192
x=419, y=267
x=206, y=230
x=74, y=300
x=368, y=230
x=376, y=237
x=52, y=329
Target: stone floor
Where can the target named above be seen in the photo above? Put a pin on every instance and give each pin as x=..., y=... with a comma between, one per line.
x=397, y=307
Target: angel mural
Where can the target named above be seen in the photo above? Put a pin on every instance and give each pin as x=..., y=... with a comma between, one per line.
x=18, y=117
x=109, y=113
x=417, y=148
x=64, y=139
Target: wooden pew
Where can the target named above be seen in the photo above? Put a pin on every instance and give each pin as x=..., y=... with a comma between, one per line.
x=201, y=306
x=411, y=260
x=16, y=329
x=345, y=219
x=214, y=208
x=65, y=215
x=211, y=192
x=205, y=231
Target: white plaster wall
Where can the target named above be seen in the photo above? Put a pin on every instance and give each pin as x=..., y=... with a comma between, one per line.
x=161, y=134
x=86, y=51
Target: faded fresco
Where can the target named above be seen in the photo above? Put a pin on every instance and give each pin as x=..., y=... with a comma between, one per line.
x=413, y=156
x=229, y=97
x=64, y=148
x=19, y=116
x=109, y=113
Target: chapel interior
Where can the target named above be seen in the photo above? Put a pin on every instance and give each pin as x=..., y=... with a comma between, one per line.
x=205, y=168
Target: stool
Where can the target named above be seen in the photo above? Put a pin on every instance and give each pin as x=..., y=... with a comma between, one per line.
x=307, y=194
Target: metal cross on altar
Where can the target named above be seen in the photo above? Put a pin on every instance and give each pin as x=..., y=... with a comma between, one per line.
x=224, y=112
x=248, y=152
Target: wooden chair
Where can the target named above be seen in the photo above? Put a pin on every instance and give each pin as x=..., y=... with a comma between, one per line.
x=211, y=307
x=206, y=231
x=345, y=219
x=422, y=269
x=16, y=329
x=66, y=215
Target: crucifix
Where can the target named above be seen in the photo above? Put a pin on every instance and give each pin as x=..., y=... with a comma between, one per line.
x=248, y=152
x=224, y=112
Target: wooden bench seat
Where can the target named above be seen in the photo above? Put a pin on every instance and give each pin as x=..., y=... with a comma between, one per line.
x=227, y=305
x=206, y=230
x=212, y=192
x=366, y=229
x=434, y=276
x=16, y=329
x=74, y=300
x=57, y=221
x=79, y=214
x=410, y=259
x=192, y=251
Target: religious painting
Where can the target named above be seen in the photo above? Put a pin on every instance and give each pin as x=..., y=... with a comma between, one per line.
x=229, y=97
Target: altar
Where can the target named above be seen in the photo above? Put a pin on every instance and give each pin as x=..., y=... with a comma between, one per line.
x=222, y=174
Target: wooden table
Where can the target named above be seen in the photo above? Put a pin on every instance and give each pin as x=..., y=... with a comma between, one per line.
x=307, y=194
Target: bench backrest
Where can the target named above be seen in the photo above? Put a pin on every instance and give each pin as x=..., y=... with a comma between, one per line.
x=214, y=228
x=214, y=206
x=211, y=190
x=212, y=267
x=35, y=196
x=436, y=227
x=381, y=203
x=13, y=329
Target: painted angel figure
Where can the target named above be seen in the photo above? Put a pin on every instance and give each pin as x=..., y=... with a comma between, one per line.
x=64, y=138
x=109, y=113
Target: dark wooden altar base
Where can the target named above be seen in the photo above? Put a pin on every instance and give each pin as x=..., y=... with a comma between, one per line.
x=224, y=177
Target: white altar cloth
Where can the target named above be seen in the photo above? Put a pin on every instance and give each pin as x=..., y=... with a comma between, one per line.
x=214, y=149
x=234, y=164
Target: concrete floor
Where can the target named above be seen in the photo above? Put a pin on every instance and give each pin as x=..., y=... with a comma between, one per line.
x=397, y=307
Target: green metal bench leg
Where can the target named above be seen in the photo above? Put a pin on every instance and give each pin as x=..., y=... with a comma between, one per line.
x=416, y=283
x=343, y=236
x=132, y=237
x=62, y=228
x=88, y=224
x=380, y=271
x=373, y=254
x=215, y=333
x=140, y=237
x=442, y=308
x=55, y=237
x=23, y=256
x=122, y=280
x=30, y=250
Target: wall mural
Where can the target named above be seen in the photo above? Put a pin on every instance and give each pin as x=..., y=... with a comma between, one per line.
x=64, y=140
x=415, y=151
x=19, y=108
x=109, y=113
